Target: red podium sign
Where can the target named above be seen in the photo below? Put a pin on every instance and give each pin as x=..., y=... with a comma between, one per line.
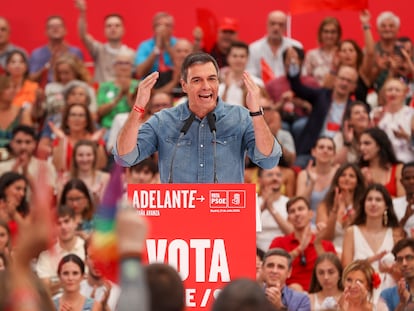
x=205, y=231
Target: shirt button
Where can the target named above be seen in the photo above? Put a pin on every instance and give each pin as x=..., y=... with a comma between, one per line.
x=201, y=165
x=202, y=125
x=201, y=146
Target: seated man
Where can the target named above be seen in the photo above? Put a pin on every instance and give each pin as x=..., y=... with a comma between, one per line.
x=67, y=242
x=303, y=246
x=276, y=269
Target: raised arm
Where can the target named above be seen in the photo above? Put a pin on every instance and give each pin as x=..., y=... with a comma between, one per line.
x=262, y=134
x=128, y=135
x=369, y=56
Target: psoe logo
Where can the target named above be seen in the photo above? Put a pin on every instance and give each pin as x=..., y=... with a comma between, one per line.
x=237, y=199
x=218, y=199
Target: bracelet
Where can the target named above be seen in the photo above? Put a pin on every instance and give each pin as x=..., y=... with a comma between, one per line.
x=138, y=109
x=366, y=27
x=347, y=143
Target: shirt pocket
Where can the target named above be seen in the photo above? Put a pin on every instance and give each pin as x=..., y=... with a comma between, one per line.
x=183, y=150
x=226, y=146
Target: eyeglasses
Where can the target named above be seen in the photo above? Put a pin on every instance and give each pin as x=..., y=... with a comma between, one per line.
x=75, y=199
x=400, y=259
x=120, y=62
x=77, y=115
x=327, y=31
x=346, y=79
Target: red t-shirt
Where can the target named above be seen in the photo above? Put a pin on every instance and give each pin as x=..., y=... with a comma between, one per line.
x=301, y=274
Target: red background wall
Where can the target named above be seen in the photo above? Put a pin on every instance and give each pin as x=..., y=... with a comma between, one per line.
x=27, y=18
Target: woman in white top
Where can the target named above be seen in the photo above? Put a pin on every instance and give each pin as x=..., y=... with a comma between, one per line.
x=373, y=233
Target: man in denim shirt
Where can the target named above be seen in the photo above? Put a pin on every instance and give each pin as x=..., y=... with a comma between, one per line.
x=192, y=155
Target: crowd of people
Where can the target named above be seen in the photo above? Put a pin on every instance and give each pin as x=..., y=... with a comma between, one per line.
x=325, y=133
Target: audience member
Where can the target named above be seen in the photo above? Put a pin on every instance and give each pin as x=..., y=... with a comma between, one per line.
x=23, y=160
x=338, y=208
x=396, y=119
x=314, y=181
x=319, y=61
x=10, y=116
x=76, y=195
x=293, y=110
x=350, y=54
x=373, y=234
x=155, y=54
x=67, y=243
x=404, y=205
x=242, y=294
x=326, y=283
x=84, y=166
x=144, y=172
x=270, y=48
x=272, y=205
x=43, y=58
x=68, y=71
x=116, y=96
x=5, y=237
x=169, y=80
x=98, y=287
x=71, y=269
x=103, y=54
x=226, y=35
x=76, y=124
x=328, y=105
x=6, y=47
x=277, y=268
x=303, y=245
x=198, y=161
x=399, y=296
x=378, y=162
x=360, y=280
x=17, y=68
x=355, y=122
x=232, y=89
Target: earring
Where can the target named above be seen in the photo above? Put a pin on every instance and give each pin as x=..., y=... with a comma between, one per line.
x=385, y=218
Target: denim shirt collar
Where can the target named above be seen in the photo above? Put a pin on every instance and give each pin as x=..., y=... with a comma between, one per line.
x=219, y=111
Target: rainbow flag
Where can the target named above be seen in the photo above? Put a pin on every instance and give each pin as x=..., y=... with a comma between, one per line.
x=103, y=247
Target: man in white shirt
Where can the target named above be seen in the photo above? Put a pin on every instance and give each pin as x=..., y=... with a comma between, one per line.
x=67, y=243
x=272, y=204
x=271, y=47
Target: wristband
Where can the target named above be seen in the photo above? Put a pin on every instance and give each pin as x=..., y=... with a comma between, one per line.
x=138, y=109
x=366, y=27
x=347, y=143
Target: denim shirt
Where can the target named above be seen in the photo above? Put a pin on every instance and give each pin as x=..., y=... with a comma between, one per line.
x=194, y=153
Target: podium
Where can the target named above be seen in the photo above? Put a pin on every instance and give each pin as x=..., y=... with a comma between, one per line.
x=205, y=231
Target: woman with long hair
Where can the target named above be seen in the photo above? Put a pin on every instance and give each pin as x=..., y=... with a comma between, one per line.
x=77, y=124
x=350, y=54
x=4, y=237
x=76, y=195
x=337, y=210
x=378, y=162
x=17, y=68
x=313, y=182
x=326, y=282
x=71, y=270
x=374, y=232
x=10, y=115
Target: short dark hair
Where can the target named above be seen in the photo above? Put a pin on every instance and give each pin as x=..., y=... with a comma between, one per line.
x=64, y=210
x=401, y=244
x=28, y=130
x=197, y=58
x=71, y=258
x=147, y=163
x=165, y=287
x=242, y=295
x=301, y=53
x=297, y=199
x=406, y=166
x=278, y=252
x=239, y=44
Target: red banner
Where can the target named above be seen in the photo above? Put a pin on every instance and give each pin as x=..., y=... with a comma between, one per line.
x=306, y=6
x=205, y=231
